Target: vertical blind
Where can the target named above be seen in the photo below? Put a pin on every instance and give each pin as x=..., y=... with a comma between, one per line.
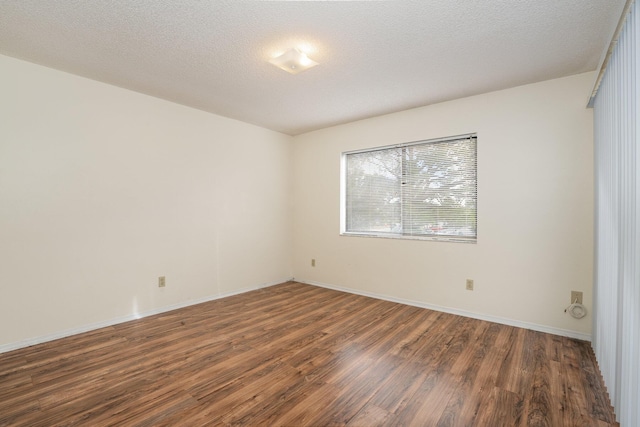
x=616, y=331
x=420, y=189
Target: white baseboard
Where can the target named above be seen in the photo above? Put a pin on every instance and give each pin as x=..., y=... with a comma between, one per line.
x=93, y=326
x=495, y=319
x=110, y=322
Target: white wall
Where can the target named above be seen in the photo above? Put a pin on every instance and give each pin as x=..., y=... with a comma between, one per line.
x=535, y=209
x=102, y=190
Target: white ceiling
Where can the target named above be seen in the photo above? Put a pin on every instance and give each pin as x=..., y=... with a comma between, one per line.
x=375, y=57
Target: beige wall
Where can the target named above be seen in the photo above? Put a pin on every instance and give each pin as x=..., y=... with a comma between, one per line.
x=102, y=190
x=535, y=204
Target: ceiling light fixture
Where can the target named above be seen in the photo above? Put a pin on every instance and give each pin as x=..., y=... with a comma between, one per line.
x=293, y=61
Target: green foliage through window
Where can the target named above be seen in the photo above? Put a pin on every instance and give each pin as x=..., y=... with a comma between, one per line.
x=424, y=189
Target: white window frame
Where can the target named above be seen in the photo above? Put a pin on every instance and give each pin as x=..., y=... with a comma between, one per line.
x=388, y=235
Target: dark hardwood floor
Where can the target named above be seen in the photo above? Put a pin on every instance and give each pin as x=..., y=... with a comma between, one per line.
x=294, y=355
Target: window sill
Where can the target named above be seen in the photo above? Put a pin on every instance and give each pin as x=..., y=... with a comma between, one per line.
x=451, y=239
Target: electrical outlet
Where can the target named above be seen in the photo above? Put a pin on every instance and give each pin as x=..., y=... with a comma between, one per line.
x=313, y=262
x=469, y=284
x=162, y=282
x=576, y=296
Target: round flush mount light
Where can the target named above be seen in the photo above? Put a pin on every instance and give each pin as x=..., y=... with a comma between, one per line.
x=293, y=61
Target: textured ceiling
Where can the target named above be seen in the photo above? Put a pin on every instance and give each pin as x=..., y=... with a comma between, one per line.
x=375, y=57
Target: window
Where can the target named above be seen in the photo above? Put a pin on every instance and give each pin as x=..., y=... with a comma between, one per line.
x=419, y=190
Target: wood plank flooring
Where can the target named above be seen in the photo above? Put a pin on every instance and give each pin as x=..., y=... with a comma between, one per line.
x=299, y=355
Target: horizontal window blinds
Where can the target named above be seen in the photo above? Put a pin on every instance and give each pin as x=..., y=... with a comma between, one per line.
x=373, y=191
x=424, y=189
